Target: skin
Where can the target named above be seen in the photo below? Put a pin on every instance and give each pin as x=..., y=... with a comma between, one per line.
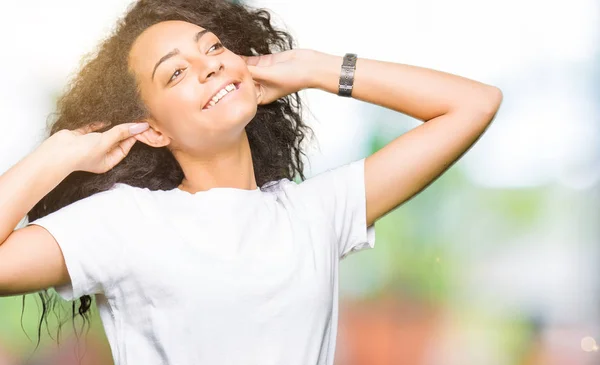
x=210, y=145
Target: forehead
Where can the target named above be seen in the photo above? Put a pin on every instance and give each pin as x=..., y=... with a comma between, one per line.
x=158, y=40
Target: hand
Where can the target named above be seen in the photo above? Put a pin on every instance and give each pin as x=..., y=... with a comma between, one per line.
x=95, y=152
x=280, y=74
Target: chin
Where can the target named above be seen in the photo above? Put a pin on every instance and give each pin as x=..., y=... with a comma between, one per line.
x=236, y=117
x=243, y=111
x=246, y=116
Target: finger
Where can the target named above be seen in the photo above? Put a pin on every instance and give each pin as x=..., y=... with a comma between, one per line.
x=258, y=73
x=123, y=131
x=118, y=153
x=251, y=60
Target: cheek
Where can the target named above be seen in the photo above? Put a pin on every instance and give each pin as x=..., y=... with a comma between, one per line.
x=181, y=101
x=185, y=96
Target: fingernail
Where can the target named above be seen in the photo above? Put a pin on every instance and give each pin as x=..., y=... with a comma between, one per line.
x=140, y=127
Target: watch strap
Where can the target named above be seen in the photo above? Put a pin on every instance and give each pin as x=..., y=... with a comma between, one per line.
x=347, y=75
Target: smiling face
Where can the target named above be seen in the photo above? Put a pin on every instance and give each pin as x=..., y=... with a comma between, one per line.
x=199, y=94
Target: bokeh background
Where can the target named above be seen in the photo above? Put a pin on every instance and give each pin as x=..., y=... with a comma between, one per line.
x=496, y=263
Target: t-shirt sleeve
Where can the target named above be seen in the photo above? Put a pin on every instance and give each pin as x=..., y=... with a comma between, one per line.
x=340, y=194
x=90, y=233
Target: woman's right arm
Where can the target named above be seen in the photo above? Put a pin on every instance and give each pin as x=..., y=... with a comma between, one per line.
x=30, y=258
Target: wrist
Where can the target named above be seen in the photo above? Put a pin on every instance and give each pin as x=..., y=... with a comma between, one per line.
x=325, y=73
x=53, y=152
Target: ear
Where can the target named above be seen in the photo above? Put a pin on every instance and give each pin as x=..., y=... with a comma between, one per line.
x=153, y=137
x=259, y=93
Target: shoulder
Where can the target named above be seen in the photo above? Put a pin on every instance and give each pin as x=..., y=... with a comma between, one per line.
x=332, y=180
x=116, y=193
x=118, y=198
x=322, y=188
x=134, y=193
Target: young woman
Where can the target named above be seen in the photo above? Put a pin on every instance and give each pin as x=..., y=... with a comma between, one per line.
x=166, y=190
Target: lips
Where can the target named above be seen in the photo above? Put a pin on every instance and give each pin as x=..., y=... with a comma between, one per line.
x=221, y=87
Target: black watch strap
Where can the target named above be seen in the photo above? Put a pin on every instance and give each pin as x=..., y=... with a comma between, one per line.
x=347, y=75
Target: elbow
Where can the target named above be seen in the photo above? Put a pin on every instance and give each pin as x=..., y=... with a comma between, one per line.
x=491, y=102
x=483, y=104
x=484, y=108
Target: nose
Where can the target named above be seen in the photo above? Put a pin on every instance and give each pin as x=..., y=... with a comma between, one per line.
x=210, y=66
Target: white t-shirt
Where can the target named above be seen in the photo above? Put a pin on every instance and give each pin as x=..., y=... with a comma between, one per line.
x=224, y=276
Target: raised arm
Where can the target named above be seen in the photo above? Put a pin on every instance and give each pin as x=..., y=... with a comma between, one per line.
x=30, y=258
x=456, y=110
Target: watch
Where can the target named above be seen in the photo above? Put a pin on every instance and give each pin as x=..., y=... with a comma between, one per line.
x=347, y=75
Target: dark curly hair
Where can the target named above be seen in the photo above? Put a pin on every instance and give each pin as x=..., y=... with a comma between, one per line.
x=105, y=90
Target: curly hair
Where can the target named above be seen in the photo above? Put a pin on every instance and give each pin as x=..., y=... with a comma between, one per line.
x=105, y=90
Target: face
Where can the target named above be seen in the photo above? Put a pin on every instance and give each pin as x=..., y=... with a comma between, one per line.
x=181, y=70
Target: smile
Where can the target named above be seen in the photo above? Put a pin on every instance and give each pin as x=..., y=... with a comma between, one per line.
x=221, y=94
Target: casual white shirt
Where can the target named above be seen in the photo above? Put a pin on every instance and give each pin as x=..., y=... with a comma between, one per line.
x=224, y=276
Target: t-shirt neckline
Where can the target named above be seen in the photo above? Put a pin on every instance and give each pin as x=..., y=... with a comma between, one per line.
x=227, y=190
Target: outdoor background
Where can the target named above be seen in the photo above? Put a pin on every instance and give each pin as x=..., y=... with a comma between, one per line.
x=496, y=263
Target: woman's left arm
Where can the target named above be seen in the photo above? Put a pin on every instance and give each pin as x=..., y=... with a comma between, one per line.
x=456, y=112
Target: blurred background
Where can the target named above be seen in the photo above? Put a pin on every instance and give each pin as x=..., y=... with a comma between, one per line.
x=495, y=263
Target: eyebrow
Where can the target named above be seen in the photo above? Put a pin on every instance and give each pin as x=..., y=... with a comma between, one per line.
x=176, y=51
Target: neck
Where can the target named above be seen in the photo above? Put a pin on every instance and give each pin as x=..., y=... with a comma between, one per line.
x=231, y=167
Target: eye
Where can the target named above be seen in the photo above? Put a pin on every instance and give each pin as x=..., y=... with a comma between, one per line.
x=176, y=74
x=216, y=46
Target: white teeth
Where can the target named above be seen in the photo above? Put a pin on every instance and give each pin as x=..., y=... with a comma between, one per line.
x=215, y=99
